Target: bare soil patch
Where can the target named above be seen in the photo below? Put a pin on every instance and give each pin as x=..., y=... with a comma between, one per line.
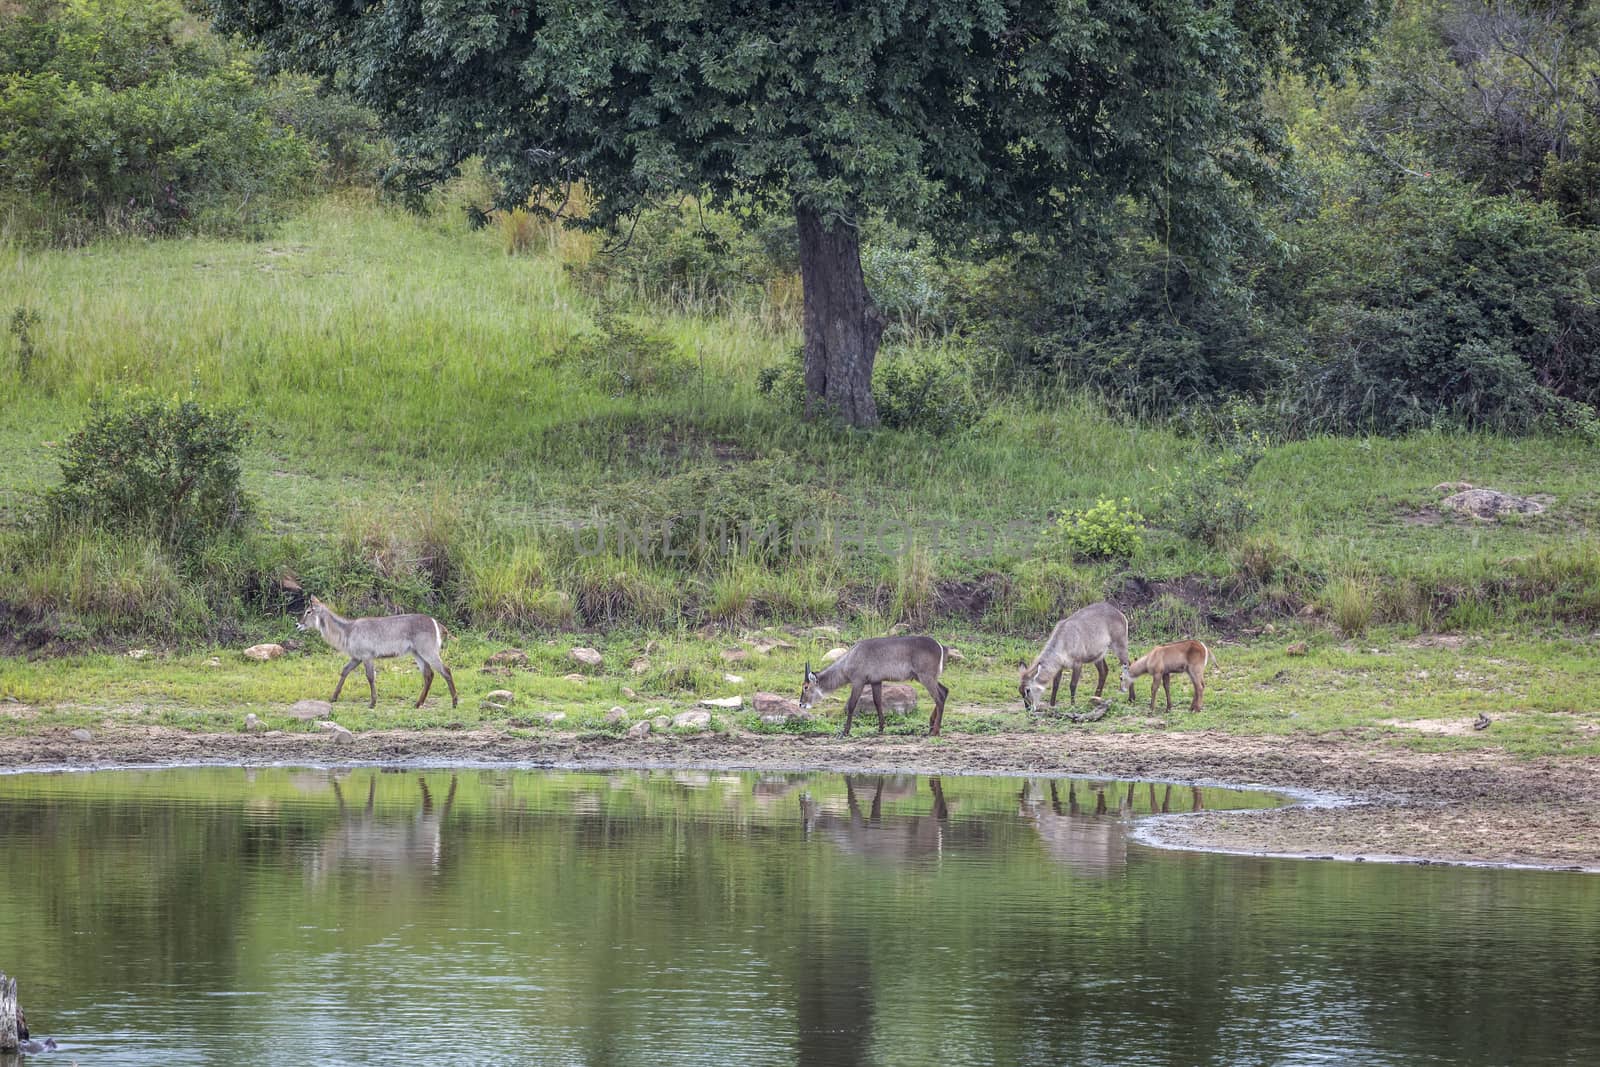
x=1479, y=807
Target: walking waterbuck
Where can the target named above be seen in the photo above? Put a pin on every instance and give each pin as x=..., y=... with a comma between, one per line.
x=365, y=640
x=1083, y=637
x=876, y=660
x=1162, y=662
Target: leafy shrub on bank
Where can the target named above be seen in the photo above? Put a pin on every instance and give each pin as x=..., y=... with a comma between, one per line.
x=1208, y=501
x=163, y=468
x=936, y=389
x=1108, y=530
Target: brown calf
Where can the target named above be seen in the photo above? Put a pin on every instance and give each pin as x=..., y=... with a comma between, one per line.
x=1162, y=662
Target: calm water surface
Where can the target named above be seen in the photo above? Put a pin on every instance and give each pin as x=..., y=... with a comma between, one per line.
x=492, y=916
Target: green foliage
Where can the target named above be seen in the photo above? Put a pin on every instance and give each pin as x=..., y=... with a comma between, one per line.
x=1209, y=502
x=1108, y=530
x=124, y=115
x=932, y=389
x=165, y=468
x=622, y=359
x=24, y=320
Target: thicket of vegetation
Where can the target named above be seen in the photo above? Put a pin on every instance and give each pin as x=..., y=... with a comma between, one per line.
x=1153, y=422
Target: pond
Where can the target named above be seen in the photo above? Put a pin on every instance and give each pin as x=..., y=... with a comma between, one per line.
x=379, y=915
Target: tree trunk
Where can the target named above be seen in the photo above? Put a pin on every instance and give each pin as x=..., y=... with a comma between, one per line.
x=842, y=326
x=8, y=1013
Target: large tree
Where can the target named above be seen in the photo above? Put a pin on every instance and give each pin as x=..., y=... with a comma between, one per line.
x=970, y=119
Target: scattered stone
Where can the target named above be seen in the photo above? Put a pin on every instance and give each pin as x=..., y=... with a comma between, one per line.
x=509, y=657
x=1269, y=629
x=735, y=655
x=767, y=645
x=722, y=702
x=953, y=655
x=639, y=729
x=661, y=722
x=82, y=735
x=1299, y=648
x=833, y=654
x=502, y=696
x=490, y=705
x=779, y=719
x=306, y=710
x=1308, y=610
x=262, y=653
x=1452, y=487
x=252, y=723
x=733, y=679
x=897, y=629
x=496, y=672
x=138, y=653
x=629, y=693
x=640, y=666
x=553, y=717
x=651, y=646
x=580, y=678
x=213, y=662
x=1490, y=504
x=617, y=715
x=824, y=628
x=587, y=656
x=692, y=719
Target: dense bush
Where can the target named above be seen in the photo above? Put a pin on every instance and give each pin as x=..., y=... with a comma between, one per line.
x=933, y=389
x=129, y=116
x=163, y=468
x=1208, y=501
x=622, y=359
x=1108, y=530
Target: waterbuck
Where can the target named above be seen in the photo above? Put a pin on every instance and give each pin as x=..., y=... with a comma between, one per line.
x=1162, y=662
x=1083, y=637
x=876, y=660
x=365, y=640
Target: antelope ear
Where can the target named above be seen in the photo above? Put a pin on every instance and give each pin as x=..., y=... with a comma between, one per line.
x=316, y=603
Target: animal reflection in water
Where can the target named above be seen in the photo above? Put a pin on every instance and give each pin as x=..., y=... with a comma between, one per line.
x=866, y=833
x=1081, y=833
x=399, y=844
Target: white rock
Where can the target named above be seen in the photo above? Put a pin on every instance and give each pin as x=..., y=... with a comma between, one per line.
x=138, y=653
x=833, y=654
x=629, y=693
x=640, y=729
x=574, y=677
x=262, y=653
x=501, y=696
x=554, y=717
x=773, y=704
x=306, y=710
x=640, y=666
x=587, y=656
x=697, y=719
x=252, y=723
x=721, y=702
x=82, y=735
x=617, y=715
x=733, y=679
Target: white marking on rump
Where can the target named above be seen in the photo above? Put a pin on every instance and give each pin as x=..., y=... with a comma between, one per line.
x=438, y=634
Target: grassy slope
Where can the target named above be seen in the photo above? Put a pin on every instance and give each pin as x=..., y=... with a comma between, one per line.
x=397, y=365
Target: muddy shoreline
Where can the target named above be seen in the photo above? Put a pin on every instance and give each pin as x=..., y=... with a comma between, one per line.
x=1373, y=801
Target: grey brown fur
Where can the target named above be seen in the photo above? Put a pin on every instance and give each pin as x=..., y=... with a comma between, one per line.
x=876, y=660
x=369, y=639
x=1083, y=637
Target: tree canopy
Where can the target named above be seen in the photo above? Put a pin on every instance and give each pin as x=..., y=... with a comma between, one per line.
x=972, y=119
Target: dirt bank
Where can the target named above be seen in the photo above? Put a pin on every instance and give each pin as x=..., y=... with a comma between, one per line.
x=1484, y=807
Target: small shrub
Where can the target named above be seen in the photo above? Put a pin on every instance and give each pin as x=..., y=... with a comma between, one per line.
x=934, y=390
x=624, y=360
x=521, y=231
x=1208, y=502
x=24, y=320
x=163, y=467
x=1109, y=530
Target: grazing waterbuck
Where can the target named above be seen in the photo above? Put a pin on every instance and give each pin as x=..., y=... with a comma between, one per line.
x=365, y=640
x=1083, y=637
x=1162, y=662
x=876, y=660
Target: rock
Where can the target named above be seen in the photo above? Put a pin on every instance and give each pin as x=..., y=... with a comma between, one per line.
x=779, y=719
x=896, y=697
x=82, y=735
x=773, y=704
x=830, y=631
x=691, y=720
x=640, y=666
x=262, y=653
x=833, y=654
x=138, y=653
x=1308, y=610
x=733, y=679
x=651, y=712
x=490, y=705
x=766, y=646
x=1452, y=487
x=306, y=710
x=735, y=655
x=629, y=693
x=509, y=657
x=953, y=655
x=575, y=678
x=1481, y=722
x=252, y=723
x=495, y=672
x=661, y=722
x=722, y=702
x=213, y=662
x=897, y=629
x=501, y=696
x=587, y=656
x=617, y=715
x=1299, y=648
x=1489, y=504
x=340, y=734
x=553, y=717
x=639, y=729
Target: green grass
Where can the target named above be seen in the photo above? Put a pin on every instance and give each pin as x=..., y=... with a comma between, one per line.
x=414, y=400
